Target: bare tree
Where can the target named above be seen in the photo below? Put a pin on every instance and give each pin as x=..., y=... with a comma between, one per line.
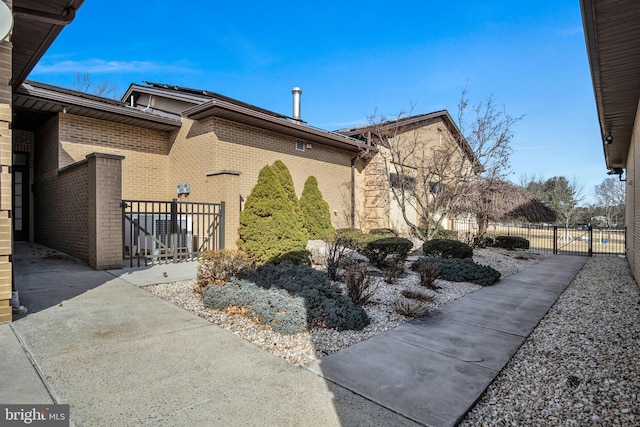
x=563, y=196
x=83, y=83
x=432, y=176
x=610, y=196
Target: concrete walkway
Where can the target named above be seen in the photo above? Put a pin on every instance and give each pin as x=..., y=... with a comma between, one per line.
x=432, y=370
x=120, y=356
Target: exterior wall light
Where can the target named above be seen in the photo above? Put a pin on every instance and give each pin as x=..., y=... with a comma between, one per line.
x=608, y=139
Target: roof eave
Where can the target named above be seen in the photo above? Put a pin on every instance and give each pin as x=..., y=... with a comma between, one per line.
x=240, y=114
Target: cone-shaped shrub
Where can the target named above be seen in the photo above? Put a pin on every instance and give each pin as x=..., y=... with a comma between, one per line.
x=315, y=211
x=284, y=176
x=268, y=225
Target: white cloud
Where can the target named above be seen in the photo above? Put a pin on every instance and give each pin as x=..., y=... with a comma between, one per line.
x=101, y=66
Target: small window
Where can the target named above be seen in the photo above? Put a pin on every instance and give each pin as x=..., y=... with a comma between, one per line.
x=402, y=181
x=300, y=145
x=434, y=187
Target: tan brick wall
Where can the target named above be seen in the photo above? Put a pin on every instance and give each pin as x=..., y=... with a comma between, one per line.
x=215, y=144
x=105, y=214
x=144, y=168
x=6, y=244
x=376, y=209
x=62, y=210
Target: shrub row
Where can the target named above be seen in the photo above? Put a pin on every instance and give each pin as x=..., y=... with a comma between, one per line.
x=445, y=248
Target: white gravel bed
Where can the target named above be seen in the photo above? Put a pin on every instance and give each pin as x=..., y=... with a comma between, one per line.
x=303, y=348
x=581, y=365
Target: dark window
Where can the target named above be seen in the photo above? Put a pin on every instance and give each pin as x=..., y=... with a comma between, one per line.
x=402, y=181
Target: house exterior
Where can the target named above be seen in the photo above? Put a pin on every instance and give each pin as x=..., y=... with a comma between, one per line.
x=612, y=34
x=407, y=148
x=161, y=137
x=68, y=159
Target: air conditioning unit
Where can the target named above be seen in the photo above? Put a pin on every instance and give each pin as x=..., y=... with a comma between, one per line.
x=150, y=234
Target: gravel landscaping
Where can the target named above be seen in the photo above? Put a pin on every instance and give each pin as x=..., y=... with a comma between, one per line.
x=581, y=365
x=303, y=348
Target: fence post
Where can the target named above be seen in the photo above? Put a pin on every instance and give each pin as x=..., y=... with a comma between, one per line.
x=590, y=240
x=221, y=230
x=174, y=229
x=555, y=240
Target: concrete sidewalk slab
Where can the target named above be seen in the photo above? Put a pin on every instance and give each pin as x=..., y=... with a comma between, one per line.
x=433, y=370
x=157, y=273
x=121, y=356
x=20, y=382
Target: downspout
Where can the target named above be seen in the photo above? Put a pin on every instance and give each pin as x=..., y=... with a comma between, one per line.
x=353, y=192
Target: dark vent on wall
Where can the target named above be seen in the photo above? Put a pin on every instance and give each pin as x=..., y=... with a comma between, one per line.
x=300, y=145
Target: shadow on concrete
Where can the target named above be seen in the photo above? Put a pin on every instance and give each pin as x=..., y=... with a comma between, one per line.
x=42, y=277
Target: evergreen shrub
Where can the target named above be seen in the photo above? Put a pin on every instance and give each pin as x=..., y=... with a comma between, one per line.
x=380, y=250
x=460, y=270
x=445, y=248
x=269, y=226
x=273, y=307
x=511, y=242
x=315, y=211
x=326, y=305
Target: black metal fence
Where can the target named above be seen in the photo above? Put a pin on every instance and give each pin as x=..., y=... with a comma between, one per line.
x=556, y=239
x=156, y=231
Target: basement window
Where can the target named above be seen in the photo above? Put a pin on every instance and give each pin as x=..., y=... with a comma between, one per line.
x=299, y=145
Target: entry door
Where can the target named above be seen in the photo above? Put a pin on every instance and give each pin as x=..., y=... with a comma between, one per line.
x=20, y=174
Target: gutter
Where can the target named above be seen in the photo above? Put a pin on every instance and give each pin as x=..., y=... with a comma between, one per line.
x=48, y=18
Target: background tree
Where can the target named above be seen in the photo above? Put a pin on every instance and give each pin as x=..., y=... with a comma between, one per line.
x=315, y=211
x=83, y=83
x=563, y=196
x=610, y=196
x=269, y=227
x=437, y=180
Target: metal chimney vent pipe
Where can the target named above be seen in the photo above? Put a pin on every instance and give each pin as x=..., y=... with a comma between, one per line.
x=296, y=91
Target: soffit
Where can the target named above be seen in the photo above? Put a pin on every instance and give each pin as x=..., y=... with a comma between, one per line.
x=612, y=33
x=32, y=37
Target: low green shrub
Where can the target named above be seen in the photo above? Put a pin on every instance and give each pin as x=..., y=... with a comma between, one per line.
x=273, y=307
x=300, y=257
x=460, y=270
x=326, y=305
x=384, y=232
x=218, y=266
x=445, y=248
x=511, y=242
x=378, y=251
x=357, y=237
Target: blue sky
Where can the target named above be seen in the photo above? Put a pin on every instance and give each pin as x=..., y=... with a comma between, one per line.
x=355, y=58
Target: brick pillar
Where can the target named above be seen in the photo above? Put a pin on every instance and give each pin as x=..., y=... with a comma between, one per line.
x=225, y=186
x=6, y=239
x=105, y=214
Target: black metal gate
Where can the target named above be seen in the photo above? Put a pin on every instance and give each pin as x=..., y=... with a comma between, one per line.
x=156, y=231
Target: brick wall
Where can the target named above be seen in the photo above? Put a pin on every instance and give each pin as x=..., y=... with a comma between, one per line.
x=6, y=243
x=144, y=169
x=632, y=199
x=216, y=144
